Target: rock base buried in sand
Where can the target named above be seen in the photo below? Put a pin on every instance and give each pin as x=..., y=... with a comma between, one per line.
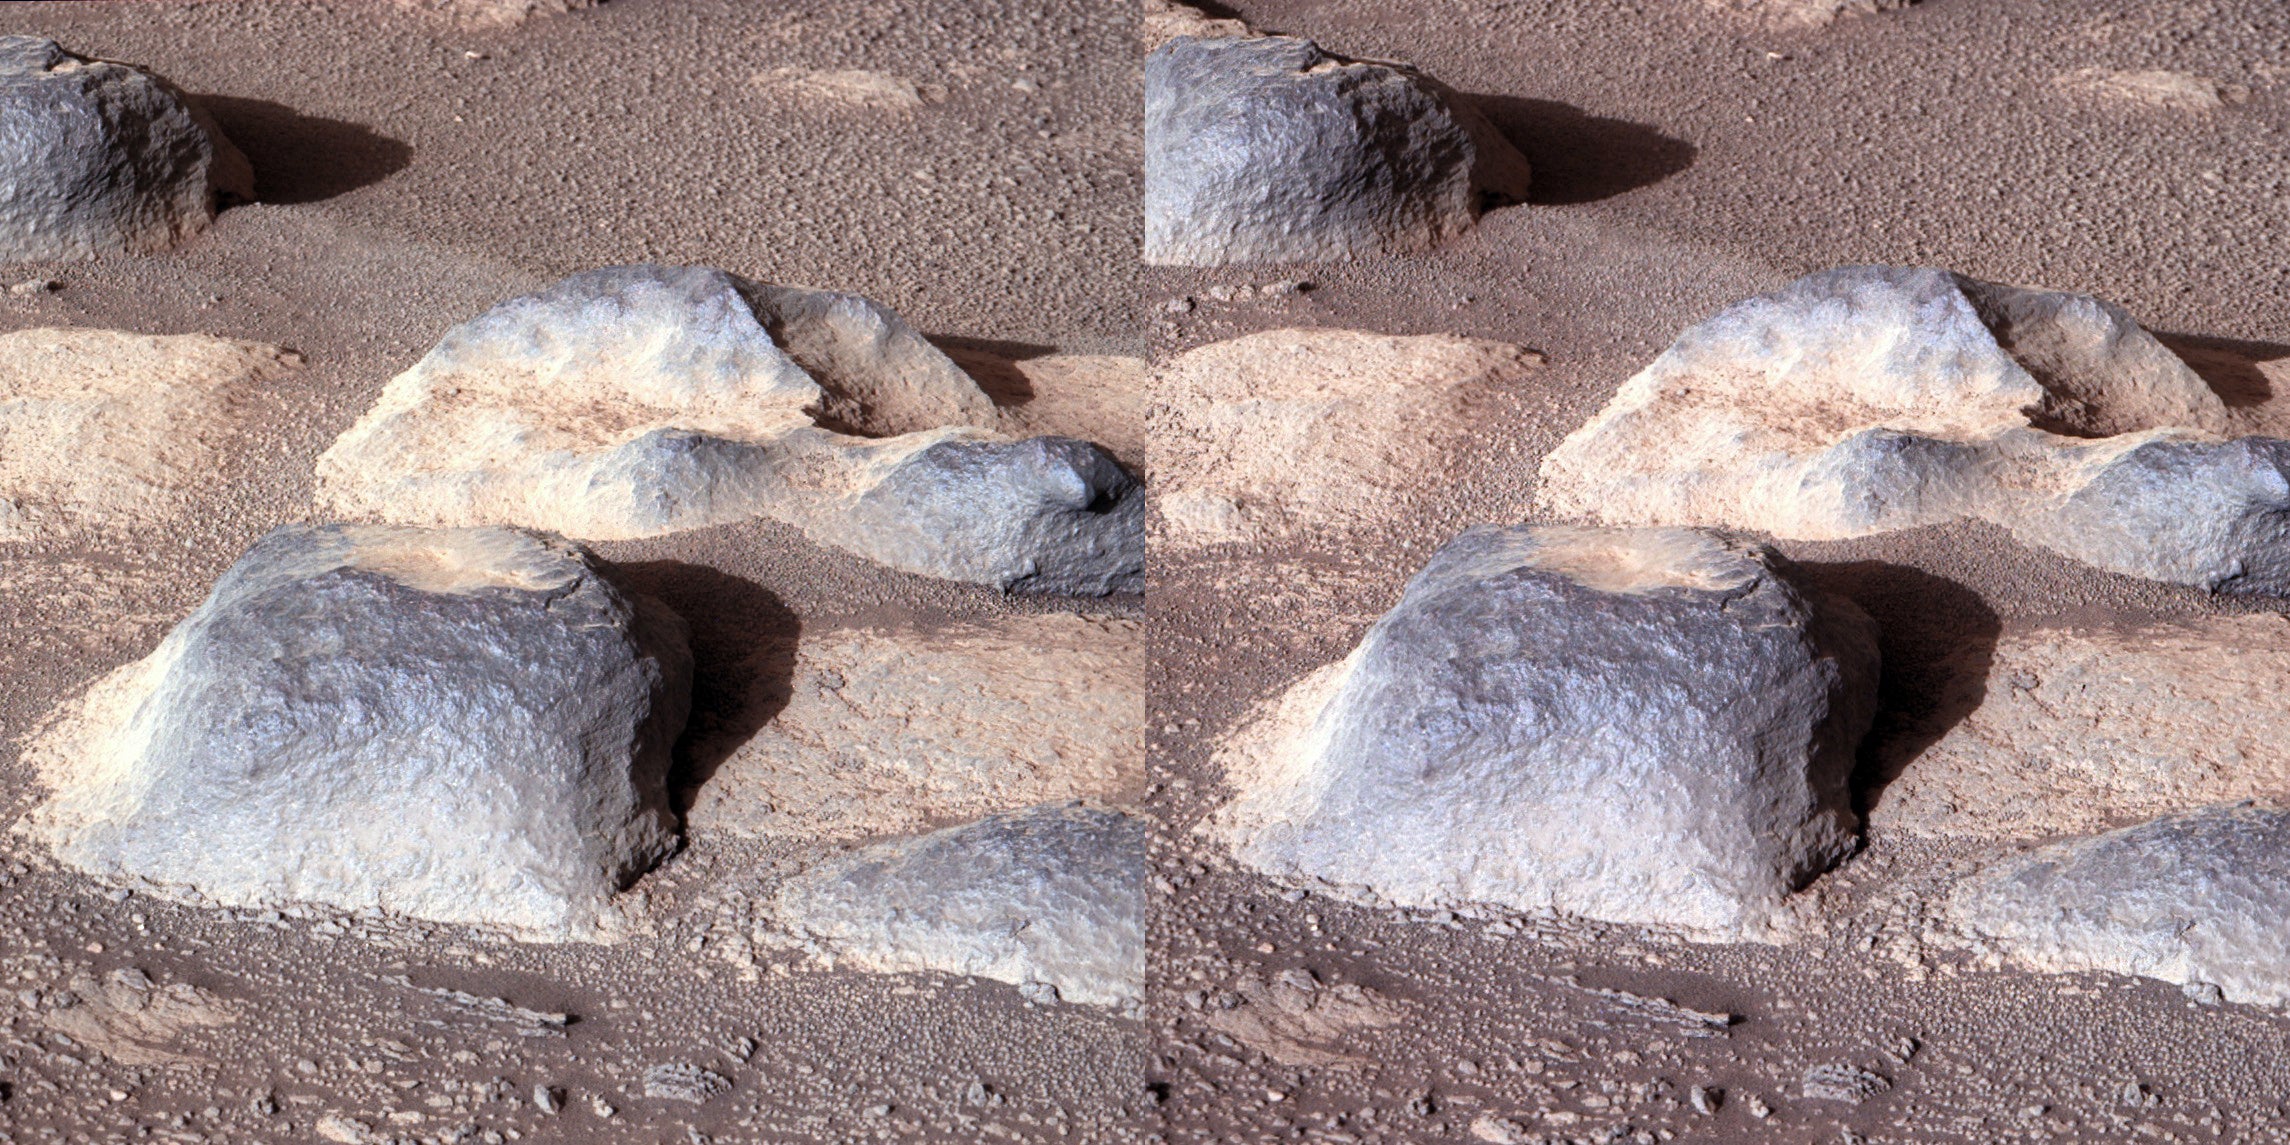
x=99, y=157
x=2196, y=899
x=1051, y=898
x=1867, y=399
x=468, y=726
x=1647, y=726
x=1268, y=149
x=642, y=400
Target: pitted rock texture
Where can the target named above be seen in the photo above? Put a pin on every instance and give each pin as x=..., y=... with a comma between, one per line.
x=1049, y=896
x=102, y=430
x=1648, y=726
x=1268, y=149
x=1868, y=399
x=1805, y=14
x=98, y=157
x=493, y=13
x=640, y=400
x=1293, y=433
x=885, y=732
x=2199, y=898
x=2068, y=731
x=469, y=726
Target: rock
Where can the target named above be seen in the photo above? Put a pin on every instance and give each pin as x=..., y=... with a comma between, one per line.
x=104, y=430
x=677, y=1081
x=1641, y=726
x=875, y=91
x=101, y=157
x=1297, y=1020
x=1839, y=1082
x=133, y=1021
x=1867, y=399
x=494, y=13
x=2075, y=730
x=1165, y=20
x=2171, y=91
x=636, y=401
x=885, y=732
x=2193, y=898
x=1099, y=398
x=1267, y=149
x=1290, y=433
x=468, y=726
x=1805, y=14
x=1051, y=894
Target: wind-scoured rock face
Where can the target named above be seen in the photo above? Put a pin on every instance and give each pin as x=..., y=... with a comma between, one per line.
x=1051, y=896
x=2200, y=898
x=640, y=400
x=1867, y=399
x=1637, y=725
x=97, y=157
x=469, y=726
x=1267, y=149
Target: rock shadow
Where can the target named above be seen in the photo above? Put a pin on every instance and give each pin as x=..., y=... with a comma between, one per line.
x=993, y=365
x=2229, y=367
x=743, y=661
x=301, y=158
x=1938, y=640
x=1582, y=158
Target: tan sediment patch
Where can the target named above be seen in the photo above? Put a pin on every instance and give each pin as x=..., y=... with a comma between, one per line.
x=2168, y=90
x=850, y=87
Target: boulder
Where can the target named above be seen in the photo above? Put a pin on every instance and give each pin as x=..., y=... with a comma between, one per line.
x=1867, y=399
x=641, y=400
x=1267, y=149
x=104, y=430
x=2198, y=899
x=1050, y=898
x=2075, y=730
x=888, y=731
x=1650, y=726
x=99, y=157
x=1288, y=433
x=468, y=726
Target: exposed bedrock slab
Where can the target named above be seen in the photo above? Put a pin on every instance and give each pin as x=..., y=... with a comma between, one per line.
x=2199, y=898
x=640, y=400
x=1050, y=896
x=890, y=731
x=1268, y=149
x=97, y=157
x=1805, y=14
x=1287, y=433
x=2074, y=730
x=469, y=726
x=1868, y=398
x=1638, y=725
x=494, y=13
x=1165, y=20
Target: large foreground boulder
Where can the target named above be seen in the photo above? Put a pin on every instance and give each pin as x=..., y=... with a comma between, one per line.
x=2079, y=729
x=640, y=400
x=470, y=726
x=1867, y=399
x=98, y=157
x=1051, y=898
x=1643, y=726
x=105, y=430
x=2201, y=899
x=1267, y=149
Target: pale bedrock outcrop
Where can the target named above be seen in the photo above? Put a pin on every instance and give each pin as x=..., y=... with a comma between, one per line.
x=1867, y=399
x=469, y=726
x=640, y=400
x=1647, y=726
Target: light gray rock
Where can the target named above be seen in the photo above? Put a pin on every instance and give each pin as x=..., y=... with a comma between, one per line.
x=640, y=400
x=97, y=157
x=1268, y=149
x=1869, y=398
x=471, y=726
x=1048, y=896
x=2199, y=898
x=1649, y=726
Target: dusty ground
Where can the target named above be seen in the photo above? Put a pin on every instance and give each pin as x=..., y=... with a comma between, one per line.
x=1686, y=158
x=411, y=174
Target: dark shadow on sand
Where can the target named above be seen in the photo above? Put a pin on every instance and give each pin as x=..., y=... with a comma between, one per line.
x=1579, y=157
x=2229, y=367
x=301, y=158
x=993, y=365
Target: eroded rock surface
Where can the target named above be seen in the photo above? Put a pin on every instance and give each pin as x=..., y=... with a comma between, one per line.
x=470, y=726
x=1805, y=14
x=1268, y=149
x=641, y=400
x=1638, y=725
x=2200, y=898
x=1050, y=896
x=1165, y=20
x=1867, y=399
x=493, y=13
x=99, y=157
